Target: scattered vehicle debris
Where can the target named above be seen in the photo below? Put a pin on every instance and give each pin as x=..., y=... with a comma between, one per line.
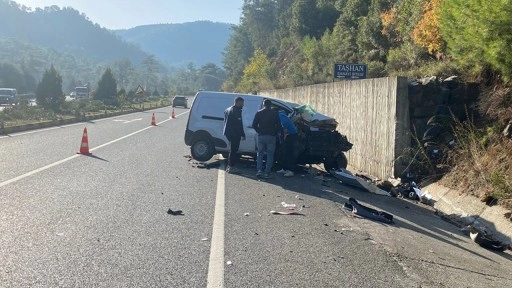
x=485, y=240
x=367, y=212
x=287, y=213
x=175, y=212
x=288, y=206
x=347, y=178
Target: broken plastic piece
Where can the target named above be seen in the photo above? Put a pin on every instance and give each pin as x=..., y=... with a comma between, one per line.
x=229, y=263
x=246, y=214
x=367, y=212
x=286, y=213
x=288, y=206
x=175, y=212
x=204, y=239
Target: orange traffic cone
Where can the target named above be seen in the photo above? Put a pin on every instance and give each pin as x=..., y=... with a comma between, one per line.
x=84, y=146
x=172, y=114
x=153, y=122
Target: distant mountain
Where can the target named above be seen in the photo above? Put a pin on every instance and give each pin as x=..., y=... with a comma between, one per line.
x=198, y=42
x=65, y=30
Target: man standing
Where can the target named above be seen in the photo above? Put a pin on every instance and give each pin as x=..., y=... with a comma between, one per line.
x=290, y=137
x=234, y=131
x=266, y=123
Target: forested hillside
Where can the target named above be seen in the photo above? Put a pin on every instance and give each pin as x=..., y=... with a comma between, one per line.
x=65, y=30
x=81, y=51
x=199, y=42
x=295, y=42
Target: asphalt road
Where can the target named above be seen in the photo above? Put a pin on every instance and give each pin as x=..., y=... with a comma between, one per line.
x=68, y=220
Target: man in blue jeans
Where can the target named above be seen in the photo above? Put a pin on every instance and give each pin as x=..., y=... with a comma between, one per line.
x=267, y=124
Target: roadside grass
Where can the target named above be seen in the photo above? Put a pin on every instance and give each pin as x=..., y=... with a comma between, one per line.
x=481, y=164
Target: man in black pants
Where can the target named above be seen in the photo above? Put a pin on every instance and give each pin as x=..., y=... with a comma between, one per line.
x=234, y=131
x=290, y=137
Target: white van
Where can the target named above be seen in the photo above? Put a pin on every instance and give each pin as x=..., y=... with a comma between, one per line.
x=204, y=132
x=317, y=143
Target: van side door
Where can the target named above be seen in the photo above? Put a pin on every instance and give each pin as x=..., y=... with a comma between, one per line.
x=251, y=106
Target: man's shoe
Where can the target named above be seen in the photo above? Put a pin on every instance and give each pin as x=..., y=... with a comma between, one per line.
x=258, y=174
x=288, y=174
x=282, y=171
x=266, y=175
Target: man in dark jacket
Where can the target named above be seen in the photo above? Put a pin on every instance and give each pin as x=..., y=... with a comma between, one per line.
x=267, y=124
x=234, y=131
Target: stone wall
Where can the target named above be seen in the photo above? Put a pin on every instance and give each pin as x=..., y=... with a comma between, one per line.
x=431, y=96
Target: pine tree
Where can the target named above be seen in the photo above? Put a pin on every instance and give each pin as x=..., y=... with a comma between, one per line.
x=49, y=93
x=107, y=89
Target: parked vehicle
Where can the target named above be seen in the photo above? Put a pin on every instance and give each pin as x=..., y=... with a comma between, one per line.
x=318, y=143
x=8, y=96
x=180, y=101
x=81, y=92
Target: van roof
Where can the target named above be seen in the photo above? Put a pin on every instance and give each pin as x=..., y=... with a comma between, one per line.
x=238, y=94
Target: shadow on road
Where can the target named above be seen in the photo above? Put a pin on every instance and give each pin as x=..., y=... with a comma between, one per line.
x=324, y=186
x=96, y=157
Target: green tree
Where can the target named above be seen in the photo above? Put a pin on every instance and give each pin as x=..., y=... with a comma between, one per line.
x=123, y=70
x=12, y=77
x=372, y=44
x=211, y=77
x=107, y=89
x=256, y=73
x=150, y=70
x=237, y=53
x=478, y=35
x=260, y=19
x=49, y=91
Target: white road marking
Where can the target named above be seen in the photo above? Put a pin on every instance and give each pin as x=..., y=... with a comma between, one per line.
x=15, y=179
x=127, y=121
x=216, y=265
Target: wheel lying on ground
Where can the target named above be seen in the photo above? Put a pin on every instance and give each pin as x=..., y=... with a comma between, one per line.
x=202, y=150
x=336, y=163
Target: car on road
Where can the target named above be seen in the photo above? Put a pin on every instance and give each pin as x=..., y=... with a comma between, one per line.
x=7, y=96
x=180, y=101
x=319, y=141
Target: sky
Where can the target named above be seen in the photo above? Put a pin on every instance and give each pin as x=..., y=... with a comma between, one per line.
x=124, y=14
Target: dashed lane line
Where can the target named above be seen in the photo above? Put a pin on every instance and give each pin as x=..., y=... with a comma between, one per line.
x=28, y=174
x=216, y=264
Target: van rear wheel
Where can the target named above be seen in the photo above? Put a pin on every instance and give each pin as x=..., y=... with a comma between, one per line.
x=202, y=150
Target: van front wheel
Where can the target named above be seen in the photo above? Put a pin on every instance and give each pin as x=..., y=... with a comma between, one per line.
x=336, y=163
x=202, y=150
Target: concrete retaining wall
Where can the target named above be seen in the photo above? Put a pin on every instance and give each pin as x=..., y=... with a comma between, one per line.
x=471, y=211
x=373, y=113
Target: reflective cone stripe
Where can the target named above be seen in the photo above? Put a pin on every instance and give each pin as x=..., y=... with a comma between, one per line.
x=153, y=122
x=84, y=146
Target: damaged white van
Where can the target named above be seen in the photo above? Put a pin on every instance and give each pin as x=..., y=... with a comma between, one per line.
x=318, y=141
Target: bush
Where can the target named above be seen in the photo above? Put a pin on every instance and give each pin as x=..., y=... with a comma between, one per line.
x=15, y=113
x=405, y=57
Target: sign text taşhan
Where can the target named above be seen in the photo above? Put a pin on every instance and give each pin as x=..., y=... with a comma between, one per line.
x=350, y=71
